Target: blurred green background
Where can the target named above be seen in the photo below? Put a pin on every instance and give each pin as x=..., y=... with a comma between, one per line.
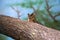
x=47, y=11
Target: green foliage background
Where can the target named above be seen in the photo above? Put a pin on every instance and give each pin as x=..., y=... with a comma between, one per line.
x=42, y=16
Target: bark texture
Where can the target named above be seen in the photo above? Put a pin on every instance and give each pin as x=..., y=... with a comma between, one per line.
x=23, y=30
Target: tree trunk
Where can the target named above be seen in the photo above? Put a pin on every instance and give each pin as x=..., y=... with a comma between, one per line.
x=23, y=30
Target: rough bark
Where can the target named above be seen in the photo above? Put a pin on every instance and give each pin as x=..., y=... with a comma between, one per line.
x=23, y=30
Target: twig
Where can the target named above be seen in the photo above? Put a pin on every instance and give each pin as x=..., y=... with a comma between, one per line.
x=17, y=11
x=48, y=8
x=56, y=15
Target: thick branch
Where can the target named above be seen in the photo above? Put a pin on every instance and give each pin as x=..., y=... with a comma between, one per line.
x=23, y=30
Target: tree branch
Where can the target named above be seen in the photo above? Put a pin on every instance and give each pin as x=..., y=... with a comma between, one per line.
x=48, y=8
x=57, y=15
x=23, y=30
x=17, y=11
